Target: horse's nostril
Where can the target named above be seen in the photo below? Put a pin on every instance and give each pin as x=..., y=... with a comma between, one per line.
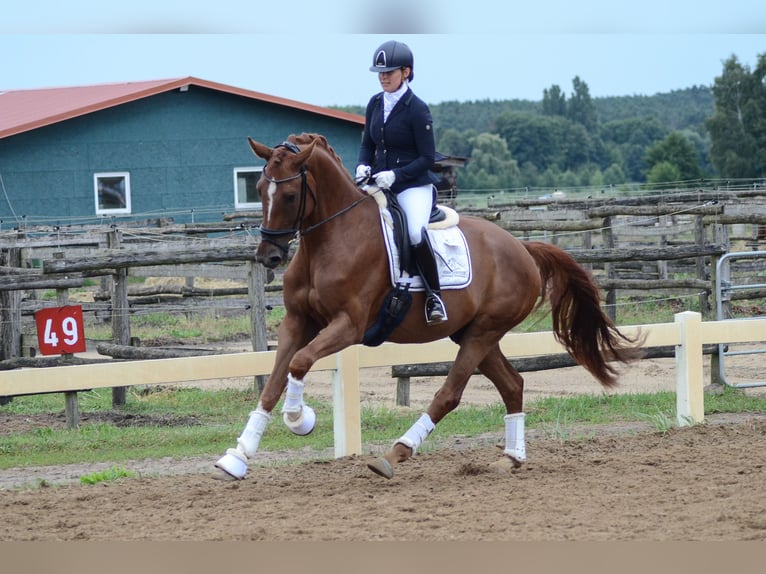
x=269, y=262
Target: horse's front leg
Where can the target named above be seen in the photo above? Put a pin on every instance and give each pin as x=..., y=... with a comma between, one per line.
x=294, y=333
x=290, y=368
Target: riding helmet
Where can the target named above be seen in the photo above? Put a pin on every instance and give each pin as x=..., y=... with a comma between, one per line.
x=393, y=55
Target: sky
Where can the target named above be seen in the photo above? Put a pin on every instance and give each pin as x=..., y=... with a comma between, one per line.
x=319, y=52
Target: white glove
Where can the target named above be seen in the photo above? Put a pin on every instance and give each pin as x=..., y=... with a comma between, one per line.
x=385, y=179
x=363, y=173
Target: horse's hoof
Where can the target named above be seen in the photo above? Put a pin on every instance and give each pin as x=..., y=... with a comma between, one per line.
x=232, y=464
x=505, y=465
x=220, y=474
x=381, y=467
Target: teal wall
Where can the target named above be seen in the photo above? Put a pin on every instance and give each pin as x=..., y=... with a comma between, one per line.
x=180, y=149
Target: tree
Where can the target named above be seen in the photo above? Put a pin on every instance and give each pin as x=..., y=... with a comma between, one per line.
x=628, y=140
x=454, y=142
x=545, y=141
x=491, y=165
x=554, y=102
x=663, y=172
x=677, y=151
x=613, y=175
x=738, y=126
x=581, y=108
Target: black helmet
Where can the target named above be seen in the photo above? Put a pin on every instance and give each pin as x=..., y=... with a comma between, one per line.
x=393, y=55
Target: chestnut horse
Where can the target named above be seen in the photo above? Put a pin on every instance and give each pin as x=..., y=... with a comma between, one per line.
x=338, y=279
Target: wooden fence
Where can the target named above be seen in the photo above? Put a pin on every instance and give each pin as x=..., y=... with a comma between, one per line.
x=667, y=243
x=688, y=334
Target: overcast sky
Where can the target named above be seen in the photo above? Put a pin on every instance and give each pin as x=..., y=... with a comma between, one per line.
x=319, y=52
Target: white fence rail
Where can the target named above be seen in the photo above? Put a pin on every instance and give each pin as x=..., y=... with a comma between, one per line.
x=688, y=333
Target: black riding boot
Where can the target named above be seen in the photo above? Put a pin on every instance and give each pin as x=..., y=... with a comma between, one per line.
x=436, y=312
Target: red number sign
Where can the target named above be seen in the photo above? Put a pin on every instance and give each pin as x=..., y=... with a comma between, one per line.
x=60, y=330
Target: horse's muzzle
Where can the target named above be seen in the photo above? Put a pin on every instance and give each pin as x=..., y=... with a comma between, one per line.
x=270, y=255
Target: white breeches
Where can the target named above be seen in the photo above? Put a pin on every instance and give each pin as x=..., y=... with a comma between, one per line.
x=416, y=203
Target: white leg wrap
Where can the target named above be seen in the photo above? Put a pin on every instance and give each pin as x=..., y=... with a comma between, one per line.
x=417, y=433
x=293, y=395
x=514, y=437
x=248, y=441
x=234, y=462
x=297, y=415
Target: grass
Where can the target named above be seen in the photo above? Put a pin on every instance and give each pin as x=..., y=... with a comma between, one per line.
x=198, y=422
x=113, y=473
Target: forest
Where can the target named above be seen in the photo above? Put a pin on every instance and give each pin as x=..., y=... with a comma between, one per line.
x=572, y=140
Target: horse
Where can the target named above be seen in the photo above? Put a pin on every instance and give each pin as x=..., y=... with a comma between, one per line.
x=338, y=279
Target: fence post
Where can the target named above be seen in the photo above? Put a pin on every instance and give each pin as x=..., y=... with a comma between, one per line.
x=690, y=399
x=71, y=401
x=120, y=313
x=702, y=273
x=10, y=310
x=256, y=293
x=347, y=420
x=402, y=391
x=611, y=293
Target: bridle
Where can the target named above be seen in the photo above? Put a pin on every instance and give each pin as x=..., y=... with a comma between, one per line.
x=297, y=230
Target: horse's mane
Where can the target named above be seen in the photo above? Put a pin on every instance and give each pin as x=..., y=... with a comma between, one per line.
x=305, y=138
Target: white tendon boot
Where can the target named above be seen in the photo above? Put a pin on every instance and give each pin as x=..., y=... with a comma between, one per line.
x=418, y=432
x=297, y=415
x=234, y=462
x=514, y=437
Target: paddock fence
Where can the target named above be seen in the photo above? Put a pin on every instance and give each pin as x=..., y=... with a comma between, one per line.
x=688, y=334
x=666, y=243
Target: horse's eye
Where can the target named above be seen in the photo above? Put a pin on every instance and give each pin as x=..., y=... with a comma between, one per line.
x=290, y=198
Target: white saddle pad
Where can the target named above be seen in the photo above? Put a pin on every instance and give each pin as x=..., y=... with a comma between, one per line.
x=453, y=259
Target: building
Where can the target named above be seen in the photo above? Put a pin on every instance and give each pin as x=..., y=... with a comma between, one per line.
x=172, y=148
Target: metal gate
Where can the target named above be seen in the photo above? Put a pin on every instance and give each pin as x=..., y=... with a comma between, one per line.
x=724, y=288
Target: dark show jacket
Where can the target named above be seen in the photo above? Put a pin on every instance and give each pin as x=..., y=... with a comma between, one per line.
x=403, y=144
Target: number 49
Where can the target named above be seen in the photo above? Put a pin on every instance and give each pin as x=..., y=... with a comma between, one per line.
x=69, y=329
x=60, y=330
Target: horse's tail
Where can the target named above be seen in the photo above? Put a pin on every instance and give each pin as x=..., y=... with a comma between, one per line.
x=579, y=323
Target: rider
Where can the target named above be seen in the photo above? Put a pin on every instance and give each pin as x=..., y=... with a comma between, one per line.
x=398, y=146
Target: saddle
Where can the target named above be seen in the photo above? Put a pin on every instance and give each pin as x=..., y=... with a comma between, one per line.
x=404, y=276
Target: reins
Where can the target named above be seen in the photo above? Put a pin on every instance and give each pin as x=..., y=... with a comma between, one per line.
x=270, y=235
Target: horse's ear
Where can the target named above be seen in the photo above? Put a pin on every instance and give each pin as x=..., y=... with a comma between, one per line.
x=259, y=149
x=305, y=153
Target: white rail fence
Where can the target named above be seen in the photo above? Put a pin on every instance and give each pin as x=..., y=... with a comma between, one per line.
x=688, y=333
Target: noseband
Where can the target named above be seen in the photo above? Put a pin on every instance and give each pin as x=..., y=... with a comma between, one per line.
x=271, y=235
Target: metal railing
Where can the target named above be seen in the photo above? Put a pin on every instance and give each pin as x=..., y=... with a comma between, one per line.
x=724, y=288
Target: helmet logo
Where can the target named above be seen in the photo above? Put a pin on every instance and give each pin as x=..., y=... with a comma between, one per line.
x=380, y=59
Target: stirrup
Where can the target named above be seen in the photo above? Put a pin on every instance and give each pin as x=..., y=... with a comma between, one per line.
x=436, y=312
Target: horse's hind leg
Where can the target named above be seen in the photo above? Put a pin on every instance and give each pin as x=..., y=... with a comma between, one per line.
x=447, y=398
x=510, y=385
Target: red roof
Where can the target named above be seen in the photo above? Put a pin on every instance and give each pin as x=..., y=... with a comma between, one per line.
x=24, y=110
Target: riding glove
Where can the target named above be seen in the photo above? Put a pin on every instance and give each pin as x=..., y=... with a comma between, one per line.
x=363, y=173
x=385, y=179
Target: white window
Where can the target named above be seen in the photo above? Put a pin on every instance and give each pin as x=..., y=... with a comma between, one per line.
x=112, y=192
x=245, y=194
